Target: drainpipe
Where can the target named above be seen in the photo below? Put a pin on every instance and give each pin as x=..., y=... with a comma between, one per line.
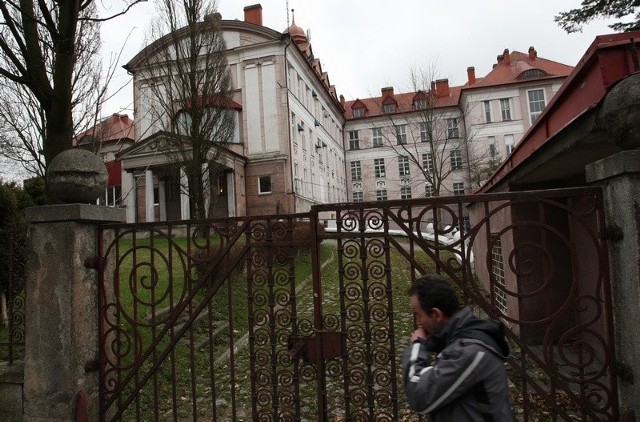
x=286, y=84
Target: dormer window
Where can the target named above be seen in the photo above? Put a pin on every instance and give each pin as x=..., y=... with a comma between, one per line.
x=358, y=112
x=532, y=73
x=420, y=104
x=389, y=108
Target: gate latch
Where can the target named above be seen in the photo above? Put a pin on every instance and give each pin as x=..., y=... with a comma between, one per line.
x=304, y=347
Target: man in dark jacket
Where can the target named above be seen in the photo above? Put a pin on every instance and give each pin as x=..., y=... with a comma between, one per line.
x=467, y=381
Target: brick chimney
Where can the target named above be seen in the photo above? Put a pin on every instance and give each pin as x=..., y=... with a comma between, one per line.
x=387, y=92
x=505, y=55
x=532, y=53
x=471, y=75
x=253, y=14
x=442, y=87
x=342, y=100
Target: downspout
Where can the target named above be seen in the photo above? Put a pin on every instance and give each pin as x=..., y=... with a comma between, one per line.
x=286, y=84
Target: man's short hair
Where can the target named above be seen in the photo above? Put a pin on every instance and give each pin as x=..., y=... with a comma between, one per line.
x=434, y=291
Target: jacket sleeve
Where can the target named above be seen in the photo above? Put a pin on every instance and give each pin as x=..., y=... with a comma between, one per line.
x=430, y=387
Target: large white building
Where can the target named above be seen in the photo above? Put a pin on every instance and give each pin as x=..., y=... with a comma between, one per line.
x=298, y=144
x=444, y=140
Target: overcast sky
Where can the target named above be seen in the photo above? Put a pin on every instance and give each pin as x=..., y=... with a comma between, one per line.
x=365, y=45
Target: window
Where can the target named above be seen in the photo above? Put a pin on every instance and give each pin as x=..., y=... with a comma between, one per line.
x=381, y=195
x=497, y=270
x=357, y=197
x=428, y=190
x=420, y=104
x=508, y=144
x=505, y=109
x=536, y=103
x=405, y=192
x=358, y=112
x=378, y=164
x=401, y=134
x=458, y=188
x=452, y=128
x=493, y=152
x=264, y=185
x=389, y=108
x=356, y=170
x=456, y=160
x=112, y=197
x=425, y=136
x=354, y=141
x=377, y=137
x=403, y=165
x=487, y=111
x=427, y=162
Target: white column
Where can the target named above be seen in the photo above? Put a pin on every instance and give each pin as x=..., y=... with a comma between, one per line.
x=148, y=196
x=185, y=210
x=129, y=191
x=162, y=199
x=231, y=194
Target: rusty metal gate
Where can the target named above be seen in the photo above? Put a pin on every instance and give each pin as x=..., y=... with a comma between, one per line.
x=304, y=317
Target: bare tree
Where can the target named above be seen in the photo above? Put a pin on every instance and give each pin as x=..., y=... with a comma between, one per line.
x=433, y=137
x=47, y=52
x=189, y=94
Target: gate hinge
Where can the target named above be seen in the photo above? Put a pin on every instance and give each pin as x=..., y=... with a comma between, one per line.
x=93, y=262
x=613, y=232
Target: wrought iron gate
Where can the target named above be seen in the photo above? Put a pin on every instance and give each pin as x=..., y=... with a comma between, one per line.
x=304, y=317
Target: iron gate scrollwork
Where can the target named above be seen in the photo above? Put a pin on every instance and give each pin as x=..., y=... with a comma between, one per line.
x=304, y=317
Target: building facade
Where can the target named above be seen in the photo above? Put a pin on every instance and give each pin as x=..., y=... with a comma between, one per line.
x=441, y=139
x=297, y=144
x=287, y=150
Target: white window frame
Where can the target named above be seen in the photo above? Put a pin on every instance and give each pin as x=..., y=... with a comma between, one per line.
x=356, y=170
x=424, y=132
x=403, y=166
x=354, y=139
x=505, y=109
x=427, y=161
x=487, y=111
x=260, y=185
x=428, y=190
x=453, y=131
x=381, y=195
x=455, y=157
x=405, y=192
x=458, y=188
x=358, y=196
x=508, y=144
x=376, y=137
x=535, y=104
x=358, y=112
x=401, y=134
x=389, y=108
x=379, y=169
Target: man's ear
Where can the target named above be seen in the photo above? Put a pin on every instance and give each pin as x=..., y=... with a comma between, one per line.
x=437, y=313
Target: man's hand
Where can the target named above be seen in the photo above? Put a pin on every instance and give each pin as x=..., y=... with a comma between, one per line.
x=419, y=333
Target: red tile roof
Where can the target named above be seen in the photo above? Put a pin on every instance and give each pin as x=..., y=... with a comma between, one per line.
x=405, y=102
x=113, y=128
x=512, y=65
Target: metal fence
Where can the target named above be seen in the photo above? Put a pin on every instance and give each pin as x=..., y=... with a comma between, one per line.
x=304, y=317
x=12, y=294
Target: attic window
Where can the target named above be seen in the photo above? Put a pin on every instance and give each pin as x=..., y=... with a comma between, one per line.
x=532, y=73
x=420, y=104
x=358, y=112
x=389, y=108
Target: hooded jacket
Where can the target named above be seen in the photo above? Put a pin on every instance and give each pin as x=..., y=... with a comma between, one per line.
x=467, y=381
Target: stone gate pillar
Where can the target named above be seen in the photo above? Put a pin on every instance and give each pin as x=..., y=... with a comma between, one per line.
x=61, y=324
x=619, y=176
